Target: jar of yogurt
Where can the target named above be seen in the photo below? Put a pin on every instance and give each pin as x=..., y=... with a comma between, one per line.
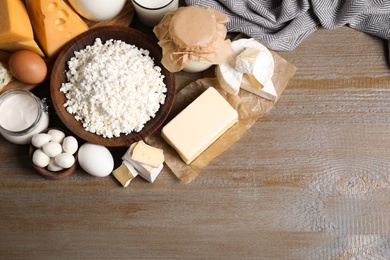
x=22, y=115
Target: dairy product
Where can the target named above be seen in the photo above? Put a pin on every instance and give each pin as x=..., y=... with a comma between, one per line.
x=147, y=160
x=229, y=78
x=55, y=23
x=113, y=88
x=98, y=10
x=246, y=60
x=147, y=154
x=16, y=32
x=125, y=173
x=22, y=116
x=151, y=12
x=5, y=75
x=252, y=65
x=199, y=124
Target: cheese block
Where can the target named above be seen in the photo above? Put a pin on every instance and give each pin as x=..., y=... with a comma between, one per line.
x=199, y=125
x=16, y=32
x=55, y=23
x=229, y=78
x=146, y=171
x=246, y=60
x=5, y=75
x=147, y=154
x=256, y=64
x=125, y=173
x=250, y=83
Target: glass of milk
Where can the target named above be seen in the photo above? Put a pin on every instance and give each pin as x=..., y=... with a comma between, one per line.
x=22, y=115
x=150, y=12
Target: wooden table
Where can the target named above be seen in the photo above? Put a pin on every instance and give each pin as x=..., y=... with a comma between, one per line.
x=310, y=180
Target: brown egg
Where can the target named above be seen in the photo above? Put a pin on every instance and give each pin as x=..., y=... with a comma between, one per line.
x=27, y=67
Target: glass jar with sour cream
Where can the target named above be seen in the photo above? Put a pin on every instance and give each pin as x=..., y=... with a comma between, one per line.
x=22, y=115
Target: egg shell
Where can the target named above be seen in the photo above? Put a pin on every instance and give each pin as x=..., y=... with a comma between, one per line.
x=52, y=149
x=64, y=160
x=56, y=135
x=70, y=145
x=95, y=159
x=40, y=159
x=52, y=166
x=40, y=139
x=27, y=67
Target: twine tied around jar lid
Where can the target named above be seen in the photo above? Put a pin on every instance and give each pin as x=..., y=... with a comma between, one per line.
x=193, y=33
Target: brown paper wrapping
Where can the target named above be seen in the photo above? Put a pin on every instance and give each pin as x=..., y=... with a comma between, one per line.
x=250, y=108
x=193, y=33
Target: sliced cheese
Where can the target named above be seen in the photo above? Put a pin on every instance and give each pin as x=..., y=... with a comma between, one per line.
x=125, y=173
x=55, y=23
x=16, y=32
x=147, y=154
x=250, y=83
x=253, y=67
x=199, y=125
x=148, y=172
x=246, y=60
x=15, y=24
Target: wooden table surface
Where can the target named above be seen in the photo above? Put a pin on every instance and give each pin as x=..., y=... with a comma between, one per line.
x=310, y=180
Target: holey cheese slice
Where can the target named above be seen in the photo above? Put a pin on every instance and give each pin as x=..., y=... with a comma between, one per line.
x=199, y=125
x=253, y=65
x=55, y=23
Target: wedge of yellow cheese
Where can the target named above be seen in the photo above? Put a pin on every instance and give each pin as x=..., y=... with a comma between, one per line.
x=16, y=32
x=199, y=125
x=55, y=23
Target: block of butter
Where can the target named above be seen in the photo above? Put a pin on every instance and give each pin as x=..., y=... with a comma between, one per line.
x=199, y=125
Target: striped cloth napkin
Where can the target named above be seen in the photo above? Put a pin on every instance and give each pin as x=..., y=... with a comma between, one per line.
x=283, y=24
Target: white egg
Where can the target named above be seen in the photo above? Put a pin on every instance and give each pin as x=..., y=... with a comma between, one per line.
x=52, y=166
x=95, y=159
x=70, y=144
x=40, y=139
x=40, y=159
x=64, y=160
x=52, y=149
x=56, y=135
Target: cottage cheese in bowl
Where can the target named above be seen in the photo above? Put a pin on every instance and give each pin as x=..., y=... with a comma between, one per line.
x=113, y=88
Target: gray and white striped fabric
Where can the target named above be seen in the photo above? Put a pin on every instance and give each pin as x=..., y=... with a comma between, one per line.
x=283, y=24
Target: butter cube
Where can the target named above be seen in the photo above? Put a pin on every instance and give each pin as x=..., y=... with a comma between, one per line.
x=199, y=125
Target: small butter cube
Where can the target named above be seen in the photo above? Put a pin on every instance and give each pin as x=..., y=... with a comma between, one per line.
x=199, y=125
x=125, y=173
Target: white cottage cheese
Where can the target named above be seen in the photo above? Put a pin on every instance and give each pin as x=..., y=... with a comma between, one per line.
x=113, y=88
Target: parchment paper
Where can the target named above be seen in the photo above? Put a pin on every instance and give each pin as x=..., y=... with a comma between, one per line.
x=250, y=108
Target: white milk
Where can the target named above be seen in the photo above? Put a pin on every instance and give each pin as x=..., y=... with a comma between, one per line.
x=151, y=12
x=22, y=115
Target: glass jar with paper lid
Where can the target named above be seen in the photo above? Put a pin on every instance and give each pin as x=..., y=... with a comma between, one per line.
x=193, y=38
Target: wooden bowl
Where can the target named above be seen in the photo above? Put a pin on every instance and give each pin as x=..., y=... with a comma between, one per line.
x=51, y=174
x=130, y=36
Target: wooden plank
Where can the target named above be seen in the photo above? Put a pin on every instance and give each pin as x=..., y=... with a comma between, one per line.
x=310, y=180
